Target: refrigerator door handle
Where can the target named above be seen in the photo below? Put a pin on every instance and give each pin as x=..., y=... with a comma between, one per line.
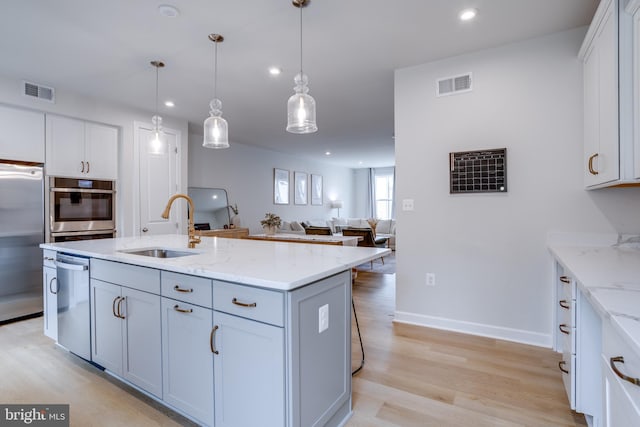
x=74, y=267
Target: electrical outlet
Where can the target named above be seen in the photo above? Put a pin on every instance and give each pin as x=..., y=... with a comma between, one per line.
x=323, y=318
x=407, y=204
x=431, y=279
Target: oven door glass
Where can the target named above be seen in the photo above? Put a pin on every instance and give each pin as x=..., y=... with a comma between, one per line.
x=78, y=210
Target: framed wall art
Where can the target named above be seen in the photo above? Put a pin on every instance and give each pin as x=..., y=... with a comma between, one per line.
x=280, y=186
x=316, y=189
x=300, y=188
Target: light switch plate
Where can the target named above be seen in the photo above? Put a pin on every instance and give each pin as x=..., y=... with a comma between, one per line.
x=323, y=318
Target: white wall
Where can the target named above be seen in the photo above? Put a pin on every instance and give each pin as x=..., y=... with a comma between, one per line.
x=82, y=107
x=493, y=271
x=246, y=172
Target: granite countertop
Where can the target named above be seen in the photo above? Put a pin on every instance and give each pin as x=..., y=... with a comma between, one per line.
x=610, y=278
x=272, y=265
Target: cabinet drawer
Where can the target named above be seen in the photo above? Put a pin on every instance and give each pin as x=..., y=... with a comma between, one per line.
x=49, y=258
x=182, y=287
x=613, y=345
x=567, y=367
x=252, y=303
x=567, y=315
x=132, y=276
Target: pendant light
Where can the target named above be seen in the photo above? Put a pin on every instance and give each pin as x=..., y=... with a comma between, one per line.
x=216, y=134
x=301, y=108
x=156, y=145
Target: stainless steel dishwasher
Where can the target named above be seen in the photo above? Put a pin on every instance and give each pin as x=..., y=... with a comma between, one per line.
x=73, y=304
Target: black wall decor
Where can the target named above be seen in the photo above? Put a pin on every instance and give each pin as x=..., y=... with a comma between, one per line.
x=482, y=171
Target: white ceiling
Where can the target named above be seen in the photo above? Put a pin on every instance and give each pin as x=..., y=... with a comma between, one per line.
x=102, y=48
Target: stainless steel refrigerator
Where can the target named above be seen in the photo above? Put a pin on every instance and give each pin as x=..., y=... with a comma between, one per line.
x=21, y=231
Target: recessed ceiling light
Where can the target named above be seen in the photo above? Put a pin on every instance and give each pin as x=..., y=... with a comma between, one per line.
x=468, y=14
x=360, y=162
x=169, y=104
x=168, y=10
x=327, y=153
x=275, y=71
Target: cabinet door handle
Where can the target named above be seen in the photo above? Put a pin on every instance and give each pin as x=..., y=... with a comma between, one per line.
x=565, y=279
x=50, y=283
x=212, y=337
x=82, y=171
x=564, y=331
x=182, y=310
x=592, y=171
x=564, y=304
x=243, y=304
x=88, y=167
x=561, y=366
x=177, y=288
x=120, y=315
x=620, y=359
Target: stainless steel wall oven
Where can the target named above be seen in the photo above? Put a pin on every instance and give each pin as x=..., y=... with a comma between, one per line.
x=81, y=209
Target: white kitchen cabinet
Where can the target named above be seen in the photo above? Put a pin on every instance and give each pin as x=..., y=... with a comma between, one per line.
x=49, y=293
x=633, y=8
x=248, y=367
x=621, y=405
x=566, y=331
x=79, y=149
x=22, y=136
x=608, y=115
x=126, y=336
x=188, y=359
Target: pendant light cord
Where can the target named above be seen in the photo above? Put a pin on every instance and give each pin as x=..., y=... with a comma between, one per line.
x=215, y=70
x=301, y=2
x=156, y=120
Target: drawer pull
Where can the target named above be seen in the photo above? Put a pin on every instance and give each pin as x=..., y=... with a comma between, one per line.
x=592, y=171
x=561, y=366
x=565, y=279
x=212, y=337
x=620, y=359
x=563, y=330
x=177, y=288
x=243, y=304
x=564, y=304
x=120, y=315
x=182, y=310
x=51, y=287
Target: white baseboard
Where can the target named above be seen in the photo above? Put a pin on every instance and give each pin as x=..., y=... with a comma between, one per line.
x=490, y=331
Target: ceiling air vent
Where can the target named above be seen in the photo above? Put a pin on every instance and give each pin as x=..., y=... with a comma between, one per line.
x=38, y=91
x=453, y=85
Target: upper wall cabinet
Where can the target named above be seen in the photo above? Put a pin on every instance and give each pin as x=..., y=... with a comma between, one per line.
x=22, y=136
x=608, y=101
x=79, y=149
x=633, y=9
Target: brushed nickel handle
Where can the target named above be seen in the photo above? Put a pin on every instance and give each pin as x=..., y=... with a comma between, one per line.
x=120, y=315
x=82, y=171
x=620, y=359
x=113, y=306
x=592, y=171
x=564, y=304
x=50, y=283
x=212, y=337
x=561, y=366
x=243, y=304
x=88, y=167
x=177, y=288
x=565, y=279
x=182, y=310
x=561, y=327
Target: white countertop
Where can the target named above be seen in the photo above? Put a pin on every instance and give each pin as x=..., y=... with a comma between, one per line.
x=344, y=240
x=273, y=265
x=610, y=277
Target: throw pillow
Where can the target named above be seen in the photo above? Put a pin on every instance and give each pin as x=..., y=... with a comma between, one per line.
x=285, y=226
x=295, y=226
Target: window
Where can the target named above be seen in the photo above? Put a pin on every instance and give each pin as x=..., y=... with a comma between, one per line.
x=383, y=193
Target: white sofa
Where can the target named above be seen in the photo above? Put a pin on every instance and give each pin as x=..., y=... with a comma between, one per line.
x=384, y=228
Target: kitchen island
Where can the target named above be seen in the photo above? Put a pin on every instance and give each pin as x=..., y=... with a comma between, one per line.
x=232, y=333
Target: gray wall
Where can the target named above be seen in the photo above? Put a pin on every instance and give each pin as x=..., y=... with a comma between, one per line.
x=488, y=251
x=246, y=172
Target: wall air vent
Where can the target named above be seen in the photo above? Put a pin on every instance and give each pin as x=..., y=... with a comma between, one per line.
x=454, y=85
x=38, y=91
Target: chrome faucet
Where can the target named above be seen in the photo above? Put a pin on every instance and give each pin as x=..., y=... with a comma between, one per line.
x=193, y=240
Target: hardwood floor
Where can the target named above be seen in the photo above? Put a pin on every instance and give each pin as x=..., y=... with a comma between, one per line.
x=413, y=376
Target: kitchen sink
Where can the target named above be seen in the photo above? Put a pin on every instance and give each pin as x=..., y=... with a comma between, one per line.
x=159, y=253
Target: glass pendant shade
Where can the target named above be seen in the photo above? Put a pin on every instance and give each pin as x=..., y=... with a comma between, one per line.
x=157, y=145
x=216, y=133
x=301, y=108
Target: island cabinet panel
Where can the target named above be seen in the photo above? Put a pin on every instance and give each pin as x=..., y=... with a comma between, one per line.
x=187, y=363
x=246, y=301
x=319, y=378
x=249, y=371
x=49, y=294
